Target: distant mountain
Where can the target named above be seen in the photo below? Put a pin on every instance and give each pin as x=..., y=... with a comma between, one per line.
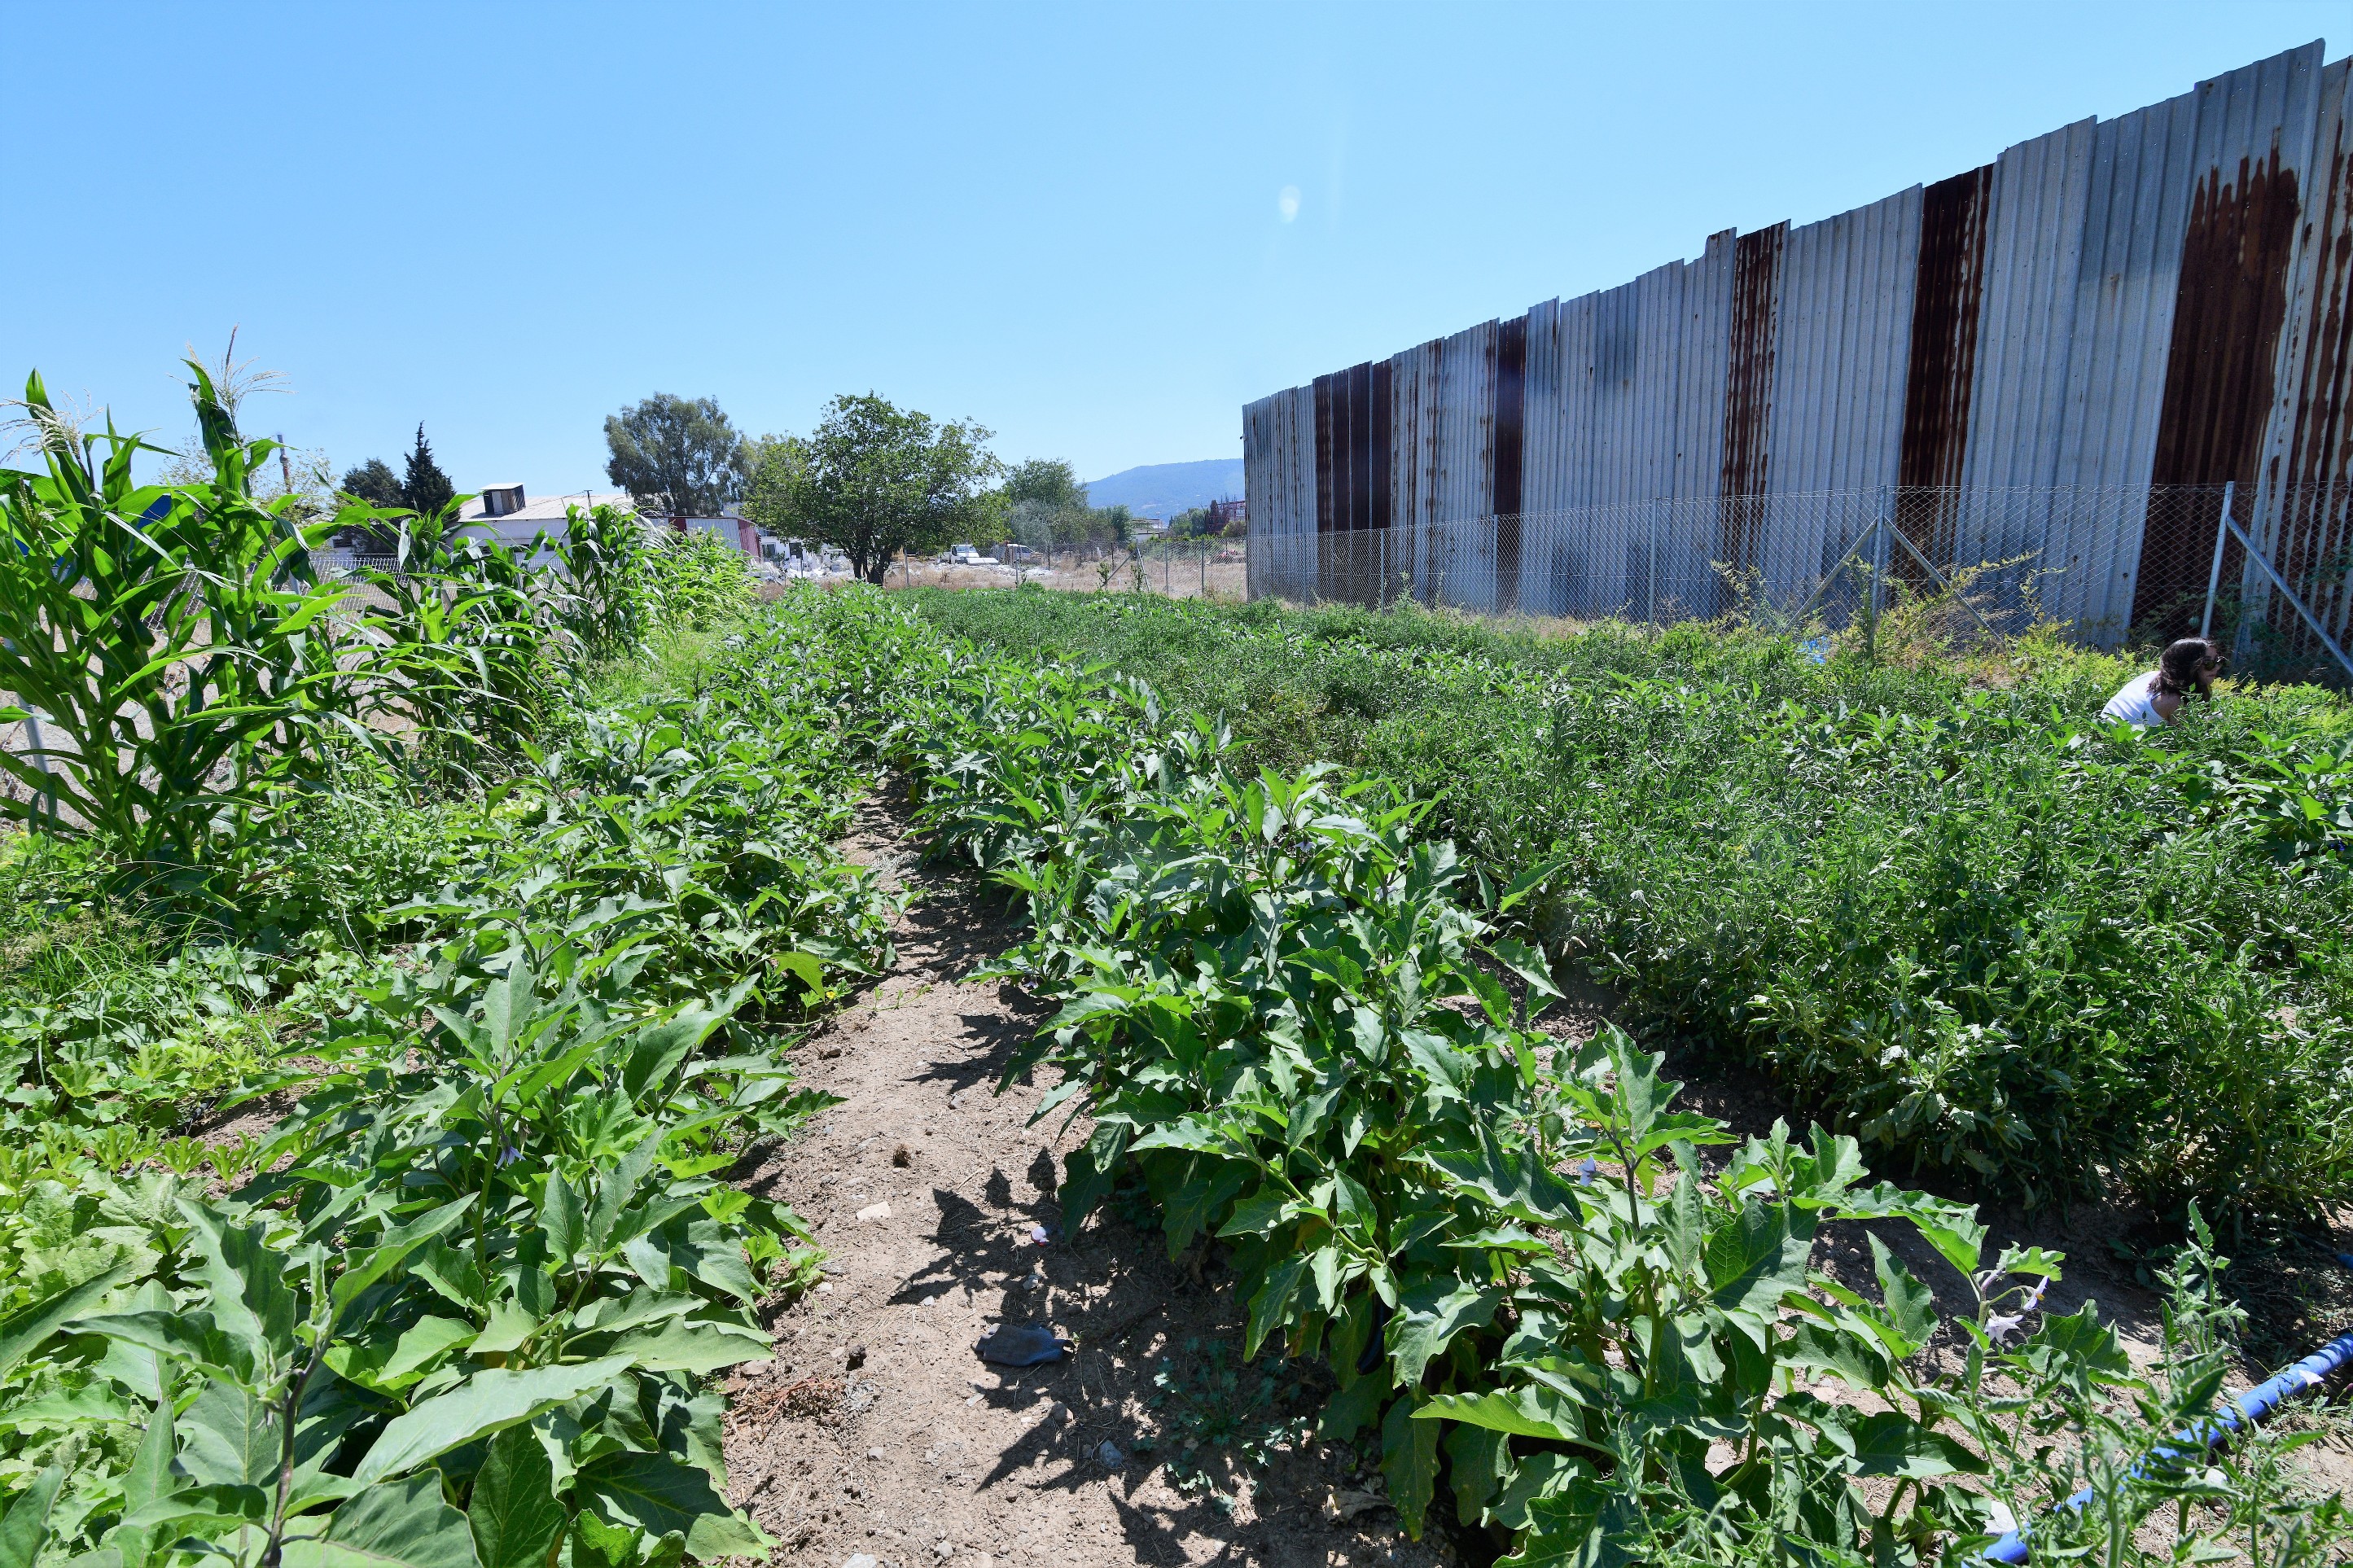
x=1164, y=490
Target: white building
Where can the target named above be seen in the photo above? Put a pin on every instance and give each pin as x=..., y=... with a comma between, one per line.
x=502, y=511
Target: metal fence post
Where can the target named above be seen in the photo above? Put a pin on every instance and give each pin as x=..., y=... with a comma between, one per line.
x=2214, y=574
x=1650, y=594
x=2295, y=600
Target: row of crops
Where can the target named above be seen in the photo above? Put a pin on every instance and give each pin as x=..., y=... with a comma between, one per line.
x=495, y=897
x=2005, y=948
x=1302, y=1023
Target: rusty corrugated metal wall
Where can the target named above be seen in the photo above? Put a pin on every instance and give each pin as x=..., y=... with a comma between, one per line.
x=2157, y=300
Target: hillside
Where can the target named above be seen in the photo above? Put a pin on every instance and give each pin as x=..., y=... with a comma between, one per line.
x=1164, y=490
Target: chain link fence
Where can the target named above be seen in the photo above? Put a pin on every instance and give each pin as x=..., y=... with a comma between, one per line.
x=2110, y=566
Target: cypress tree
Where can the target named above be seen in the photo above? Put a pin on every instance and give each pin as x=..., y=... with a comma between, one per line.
x=427, y=489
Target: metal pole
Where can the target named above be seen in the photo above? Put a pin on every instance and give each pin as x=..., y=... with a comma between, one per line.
x=1650, y=596
x=1866, y=537
x=2214, y=574
x=1938, y=578
x=2280, y=583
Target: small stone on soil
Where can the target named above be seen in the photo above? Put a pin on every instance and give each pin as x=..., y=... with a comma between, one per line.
x=857, y=1356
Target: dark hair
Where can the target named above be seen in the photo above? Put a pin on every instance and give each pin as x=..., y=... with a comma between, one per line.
x=2177, y=668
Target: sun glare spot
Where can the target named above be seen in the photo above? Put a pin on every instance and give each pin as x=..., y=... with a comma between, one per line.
x=1287, y=204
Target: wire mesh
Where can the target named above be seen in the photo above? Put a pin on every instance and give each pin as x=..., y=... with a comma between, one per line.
x=2110, y=566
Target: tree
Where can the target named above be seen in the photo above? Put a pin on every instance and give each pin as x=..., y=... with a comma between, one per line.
x=425, y=490
x=1049, y=481
x=374, y=483
x=875, y=479
x=773, y=463
x=678, y=454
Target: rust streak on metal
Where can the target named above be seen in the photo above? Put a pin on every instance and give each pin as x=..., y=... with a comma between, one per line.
x=1511, y=420
x=1323, y=454
x=1748, y=383
x=2316, y=517
x=1948, y=290
x=2227, y=315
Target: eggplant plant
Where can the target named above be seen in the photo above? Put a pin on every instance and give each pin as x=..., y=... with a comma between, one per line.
x=1304, y=1024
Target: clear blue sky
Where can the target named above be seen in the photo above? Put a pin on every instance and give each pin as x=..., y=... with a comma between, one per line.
x=508, y=220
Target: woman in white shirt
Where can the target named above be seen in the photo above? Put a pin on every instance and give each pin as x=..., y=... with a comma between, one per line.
x=2149, y=701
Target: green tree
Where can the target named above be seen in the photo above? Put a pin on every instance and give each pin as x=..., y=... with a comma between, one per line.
x=425, y=490
x=877, y=478
x=1049, y=481
x=773, y=463
x=374, y=483
x=679, y=454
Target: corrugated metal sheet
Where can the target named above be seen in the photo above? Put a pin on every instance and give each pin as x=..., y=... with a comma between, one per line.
x=2160, y=298
x=2305, y=494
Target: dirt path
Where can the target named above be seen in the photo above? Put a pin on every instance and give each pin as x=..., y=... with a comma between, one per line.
x=877, y=1430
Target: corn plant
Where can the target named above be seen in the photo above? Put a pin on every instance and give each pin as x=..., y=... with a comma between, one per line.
x=170, y=645
x=465, y=653
x=699, y=581
x=607, y=599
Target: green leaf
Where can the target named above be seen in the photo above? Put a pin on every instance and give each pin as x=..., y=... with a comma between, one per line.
x=230, y=1438
x=485, y=1403
x=1951, y=1228
x=1911, y=1306
x=1753, y=1259
x=658, y=1495
x=1479, y=1460
x=366, y=1268
x=1429, y=1314
x=394, y=1524
x=1410, y=1460
x=562, y=1219
x=1580, y=1525
x=1527, y=963
x=1514, y=1179
x=1257, y=1214
x=149, y=1477
x=696, y=1347
x=514, y=1515
x=1527, y=1410
x=1354, y=1407
x=616, y=1191
x=1888, y=1443
x=426, y=1339
x=202, y=1510
x=249, y=1299
x=24, y=1329
x=1271, y=1301
x=26, y=1529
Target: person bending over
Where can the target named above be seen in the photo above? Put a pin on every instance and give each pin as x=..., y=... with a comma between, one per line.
x=2145, y=700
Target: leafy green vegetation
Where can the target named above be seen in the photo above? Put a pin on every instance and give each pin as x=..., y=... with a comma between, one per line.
x=1989, y=937
x=362, y=1196
x=1304, y=1021
x=371, y=1088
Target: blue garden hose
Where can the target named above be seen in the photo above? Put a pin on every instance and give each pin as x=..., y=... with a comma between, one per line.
x=2250, y=1406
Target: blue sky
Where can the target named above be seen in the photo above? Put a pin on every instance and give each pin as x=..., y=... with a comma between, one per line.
x=1097, y=230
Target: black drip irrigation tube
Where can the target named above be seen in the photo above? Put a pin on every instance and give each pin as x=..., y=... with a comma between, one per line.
x=2245, y=1410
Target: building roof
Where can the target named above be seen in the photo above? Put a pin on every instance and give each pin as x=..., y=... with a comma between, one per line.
x=543, y=509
